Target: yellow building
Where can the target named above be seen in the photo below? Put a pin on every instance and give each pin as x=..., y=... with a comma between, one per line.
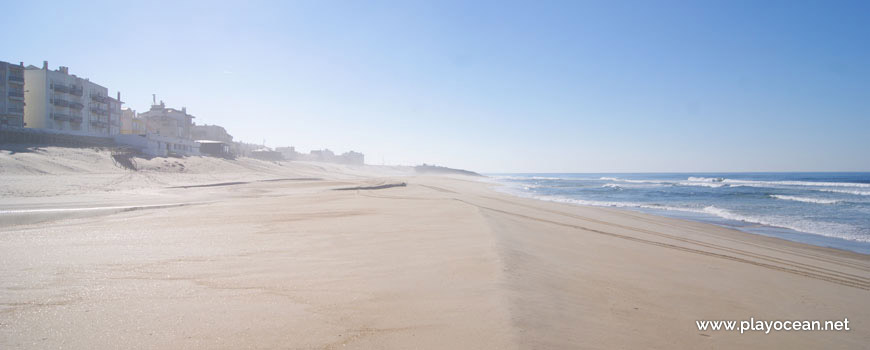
x=66, y=103
x=131, y=123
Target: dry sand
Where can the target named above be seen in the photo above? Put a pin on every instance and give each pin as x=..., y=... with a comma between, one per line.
x=269, y=255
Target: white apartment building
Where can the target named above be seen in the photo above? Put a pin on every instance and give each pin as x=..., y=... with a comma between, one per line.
x=11, y=94
x=61, y=102
x=167, y=130
x=169, y=122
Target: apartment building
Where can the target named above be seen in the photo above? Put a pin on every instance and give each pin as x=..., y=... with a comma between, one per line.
x=131, y=122
x=169, y=122
x=211, y=132
x=170, y=128
x=66, y=103
x=11, y=94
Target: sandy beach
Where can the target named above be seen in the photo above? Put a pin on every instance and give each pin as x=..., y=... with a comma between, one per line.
x=212, y=253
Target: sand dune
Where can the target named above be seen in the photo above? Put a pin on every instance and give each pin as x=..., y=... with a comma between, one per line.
x=443, y=262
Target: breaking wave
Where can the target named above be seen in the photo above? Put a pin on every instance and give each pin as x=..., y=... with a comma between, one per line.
x=702, y=184
x=635, y=181
x=857, y=193
x=797, y=183
x=805, y=199
x=827, y=229
x=808, y=203
x=706, y=179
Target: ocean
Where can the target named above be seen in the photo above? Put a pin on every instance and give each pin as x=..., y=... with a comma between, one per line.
x=823, y=209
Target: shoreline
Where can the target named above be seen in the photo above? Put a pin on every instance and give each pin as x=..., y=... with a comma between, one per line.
x=442, y=262
x=701, y=216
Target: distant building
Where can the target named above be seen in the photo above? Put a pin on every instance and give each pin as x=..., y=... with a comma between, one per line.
x=353, y=158
x=266, y=154
x=135, y=134
x=170, y=129
x=61, y=102
x=167, y=122
x=325, y=155
x=242, y=149
x=289, y=153
x=214, y=148
x=131, y=123
x=210, y=132
x=11, y=94
x=159, y=146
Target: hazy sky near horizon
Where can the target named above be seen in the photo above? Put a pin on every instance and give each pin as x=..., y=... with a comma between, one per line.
x=493, y=86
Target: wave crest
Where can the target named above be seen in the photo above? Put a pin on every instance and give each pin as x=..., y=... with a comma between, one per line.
x=827, y=229
x=706, y=179
x=805, y=199
x=857, y=193
x=796, y=183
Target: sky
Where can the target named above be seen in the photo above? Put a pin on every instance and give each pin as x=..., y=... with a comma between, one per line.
x=491, y=86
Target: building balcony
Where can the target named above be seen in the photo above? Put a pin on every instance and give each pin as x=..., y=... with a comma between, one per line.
x=76, y=105
x=99, y=111
x=60, y=88
x=16, y=78
x=68, y=89
x=16, y=95
x=100, y=98
x=59, y=102
x=99, y=124
x=61, y=116
x=15, y=110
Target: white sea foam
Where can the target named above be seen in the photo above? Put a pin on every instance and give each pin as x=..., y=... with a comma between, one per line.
x=827, y=229
x=635, y=181
x=614, y=204
x=693, y=181
x=857, y=193
x=805, y=199
x=507, y=177
x=705, y=179
x=798, y=223
x=796, y=183
x=702, y=184
x=722, y=182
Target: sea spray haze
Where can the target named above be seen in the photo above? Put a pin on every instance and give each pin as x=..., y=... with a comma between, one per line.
x=826, y=209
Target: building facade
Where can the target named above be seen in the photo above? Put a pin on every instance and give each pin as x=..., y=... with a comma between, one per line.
x=170, y=128
x=210, y=132
x=11, y=94
x=325, y=155
x=353, y=158
x=65, y=103
x=289, y=153
x=114, y=109
x=169, y=122
x=131, y=122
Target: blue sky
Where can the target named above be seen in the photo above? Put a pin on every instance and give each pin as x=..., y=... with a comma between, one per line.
x=493, y=86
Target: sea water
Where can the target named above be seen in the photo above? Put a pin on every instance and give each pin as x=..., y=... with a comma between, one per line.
x=824, y=209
